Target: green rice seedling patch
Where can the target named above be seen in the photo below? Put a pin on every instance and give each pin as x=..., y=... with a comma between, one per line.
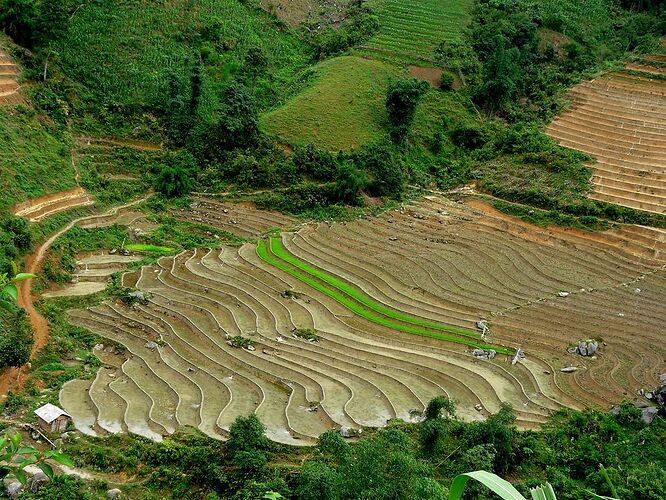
x=359, y=303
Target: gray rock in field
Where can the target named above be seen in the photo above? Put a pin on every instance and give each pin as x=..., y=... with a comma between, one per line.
x=662, y=377
x=520, y=354
x=393, y=238
x=592, y=347
x=150, y=345
x=36, y=481
x=113, y=494
x=649, y=413
x=138, y=294
x=582, y=348
x=346, y=432
x=13, y=489
x=568, y=369
x=563, y=294
x=99, y=347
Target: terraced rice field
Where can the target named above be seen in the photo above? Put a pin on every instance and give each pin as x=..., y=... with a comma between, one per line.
x=620, y=119
x=410, y=31
x=45, y=206
x=92, y=274
x=243, y=220
x=109, y=156
x=9, y=87
x=451, y=265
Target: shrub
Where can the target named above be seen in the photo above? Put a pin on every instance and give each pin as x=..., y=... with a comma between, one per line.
x=446, y=81
x=173, y=181
x=402, y=99
x=314, y=162
x=349, y=181
x=468, y=136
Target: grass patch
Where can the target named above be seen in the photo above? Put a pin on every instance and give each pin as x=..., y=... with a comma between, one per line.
x=359, y=303
x=410, y=31
x=342, y=109
x=141, y=247
x=34, y=156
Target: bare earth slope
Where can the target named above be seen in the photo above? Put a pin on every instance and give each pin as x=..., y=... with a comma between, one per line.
x=9, y=87
x=439, y=260
x=620, y=119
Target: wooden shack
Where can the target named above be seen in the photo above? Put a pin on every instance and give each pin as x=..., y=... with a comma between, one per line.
x=50, y=418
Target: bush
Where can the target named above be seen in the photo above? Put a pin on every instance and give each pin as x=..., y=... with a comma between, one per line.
x=402, y=99
x=349, y=181
x=314, y=162
x=446, y=81
x=468, y=136
x=247, y=434
x=173, y=181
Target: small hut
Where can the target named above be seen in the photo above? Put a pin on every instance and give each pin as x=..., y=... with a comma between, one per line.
x=51, y=418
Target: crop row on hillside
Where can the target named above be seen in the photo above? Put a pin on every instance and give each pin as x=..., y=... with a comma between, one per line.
x=123, y=51
x=411, y=31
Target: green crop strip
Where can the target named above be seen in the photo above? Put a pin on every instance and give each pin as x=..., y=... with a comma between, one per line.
x=356, y=301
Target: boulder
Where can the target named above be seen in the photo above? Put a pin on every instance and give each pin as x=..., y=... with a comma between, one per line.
x=649, y=413
x=137, y=294
x=13, y=489
x=568, y=369
x=36, y=481
x=113, y=494
x=563, y=294
x=150, y=345
x=346, y=432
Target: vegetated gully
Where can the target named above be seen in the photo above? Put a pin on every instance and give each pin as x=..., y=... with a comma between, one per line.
x=275, y=254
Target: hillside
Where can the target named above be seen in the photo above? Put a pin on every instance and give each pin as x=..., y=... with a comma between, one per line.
x=351, y=90
x=332, y=249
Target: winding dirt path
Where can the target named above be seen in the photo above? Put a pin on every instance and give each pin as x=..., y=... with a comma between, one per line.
x=10, y=379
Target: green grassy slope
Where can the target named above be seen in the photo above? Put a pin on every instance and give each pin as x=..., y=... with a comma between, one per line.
x=34, y=160
x=410, y=31
x=122, y=51
x=342, y=109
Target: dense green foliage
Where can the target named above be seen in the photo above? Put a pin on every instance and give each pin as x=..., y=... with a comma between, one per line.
x=410, y=461
x=402, y=98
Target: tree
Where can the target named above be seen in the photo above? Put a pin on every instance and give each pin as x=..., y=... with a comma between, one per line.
x=247, y=434
x=196, y=89
x=19, y=232
x=178, y=120
x=349, y=181
x=236, y=125
x=173, y=181
x=402, y=98
x=255, y=64
x=318, y=481
x=15, y=340
x=439, y=404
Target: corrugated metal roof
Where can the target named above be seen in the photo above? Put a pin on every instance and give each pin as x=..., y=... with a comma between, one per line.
x=50, y=412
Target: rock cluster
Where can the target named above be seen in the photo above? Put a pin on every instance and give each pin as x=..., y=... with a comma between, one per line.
x=585, y=348
x=648, y=412
x=483, y=354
